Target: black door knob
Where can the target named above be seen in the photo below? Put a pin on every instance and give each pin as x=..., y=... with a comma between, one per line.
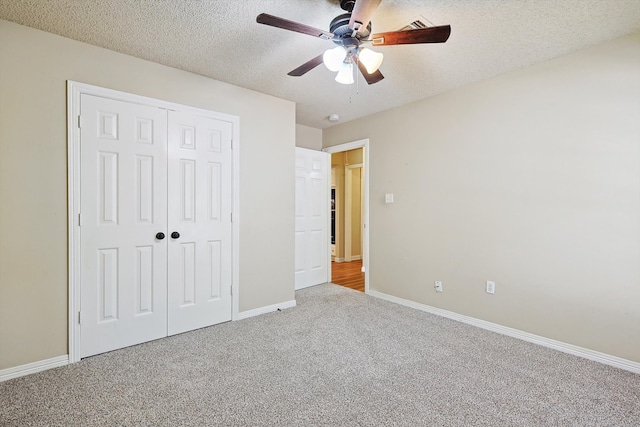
x=175, y=235
x=160, y=236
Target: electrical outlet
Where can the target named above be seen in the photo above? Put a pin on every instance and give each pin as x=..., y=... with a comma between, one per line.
x=438, y=286
x=491, y=287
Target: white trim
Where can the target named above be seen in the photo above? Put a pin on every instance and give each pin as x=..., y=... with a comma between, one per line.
x=335, y=259
x=32, y=368
x=596, y=356
x=74, y=90
x=266, y=309
x=235, y=225
x=347, y=146
x=362, y=143
x=73, y=210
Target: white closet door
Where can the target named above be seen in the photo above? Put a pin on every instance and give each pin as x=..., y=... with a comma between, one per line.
x=311, y=218
x=123, y=207
x=200, y=190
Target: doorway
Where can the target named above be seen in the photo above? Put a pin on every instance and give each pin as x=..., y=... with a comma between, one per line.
x=349, y=191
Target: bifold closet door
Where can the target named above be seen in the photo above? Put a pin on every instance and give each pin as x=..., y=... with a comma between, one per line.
x=200, y=197
x=155, y=223
x=123, y=208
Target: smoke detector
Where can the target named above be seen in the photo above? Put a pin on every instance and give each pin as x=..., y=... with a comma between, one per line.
x=334, y=117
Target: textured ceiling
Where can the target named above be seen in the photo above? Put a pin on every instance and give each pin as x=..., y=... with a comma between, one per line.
x=221, y=40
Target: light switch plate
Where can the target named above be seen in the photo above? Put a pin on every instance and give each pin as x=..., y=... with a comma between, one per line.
x=491, y=287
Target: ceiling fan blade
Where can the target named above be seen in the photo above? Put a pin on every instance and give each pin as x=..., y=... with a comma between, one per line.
x=362, y=13
x=421, y=35
x=306, y=67
x=274, y=21
x=372, y=78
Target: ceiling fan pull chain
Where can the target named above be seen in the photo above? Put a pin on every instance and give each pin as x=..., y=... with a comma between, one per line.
x=357, y=67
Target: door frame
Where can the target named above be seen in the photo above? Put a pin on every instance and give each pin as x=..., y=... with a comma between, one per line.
x=361, y=143
x=74, y=92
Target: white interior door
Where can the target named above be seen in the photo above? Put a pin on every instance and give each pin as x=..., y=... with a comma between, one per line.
x=311, y=218
x=200, y=216
x=123, y=207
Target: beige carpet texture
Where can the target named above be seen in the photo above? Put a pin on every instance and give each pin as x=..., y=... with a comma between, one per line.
x=340, y=358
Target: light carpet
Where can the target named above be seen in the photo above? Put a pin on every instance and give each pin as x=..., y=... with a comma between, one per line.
x=340, y=358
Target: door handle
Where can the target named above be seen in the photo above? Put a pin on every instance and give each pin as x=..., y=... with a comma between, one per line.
x=175, y=235
x=160, y=236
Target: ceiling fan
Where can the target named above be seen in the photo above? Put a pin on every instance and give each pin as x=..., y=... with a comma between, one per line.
x=350, y=31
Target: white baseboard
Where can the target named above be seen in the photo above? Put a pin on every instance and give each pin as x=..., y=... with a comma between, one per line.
x=574, y=350
x=267, y=309
x=336, y=259
x=32, y=368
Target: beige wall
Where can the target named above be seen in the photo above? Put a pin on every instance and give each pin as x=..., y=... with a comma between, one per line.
x=34, y=67
x=530, y=179
x=308, y=137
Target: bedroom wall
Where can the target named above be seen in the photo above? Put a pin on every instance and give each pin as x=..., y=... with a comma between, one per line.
x=530, y=179
x=308, y=137
x=34, y=68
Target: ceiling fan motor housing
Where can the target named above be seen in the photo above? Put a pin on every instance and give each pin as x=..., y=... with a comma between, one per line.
x=340, y=28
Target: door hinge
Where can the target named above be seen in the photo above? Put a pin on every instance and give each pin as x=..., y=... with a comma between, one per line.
x=79, y=122
x=231, y=290
x=231, y=216
x=232, y=144
x=79, y=318
x=79, y=220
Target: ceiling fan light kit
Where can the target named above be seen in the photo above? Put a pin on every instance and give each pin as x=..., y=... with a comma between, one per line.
x=370, y=59
x=339, y=60
x=349, y=31
x=345, y=75
x=334, y=58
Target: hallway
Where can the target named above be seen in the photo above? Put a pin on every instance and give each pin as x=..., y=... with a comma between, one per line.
x=348, y=274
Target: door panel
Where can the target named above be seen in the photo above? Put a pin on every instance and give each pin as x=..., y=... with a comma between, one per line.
x=123, y=206
x=311, y=218
x=200, y=258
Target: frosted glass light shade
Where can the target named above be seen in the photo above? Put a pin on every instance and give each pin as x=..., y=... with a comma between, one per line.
x=345, y=75
x=333, y=58
x=370, y=59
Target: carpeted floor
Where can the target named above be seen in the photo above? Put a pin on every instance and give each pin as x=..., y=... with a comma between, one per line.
x=340, y=358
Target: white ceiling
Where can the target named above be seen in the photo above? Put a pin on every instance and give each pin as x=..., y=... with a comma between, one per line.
x=221, y=40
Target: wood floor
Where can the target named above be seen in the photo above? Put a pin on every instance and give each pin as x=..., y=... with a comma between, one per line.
x=348, y=274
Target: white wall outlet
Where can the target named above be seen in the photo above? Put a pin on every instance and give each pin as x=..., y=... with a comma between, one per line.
x=438, y=286
x=388, y=198
x=491, y=287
